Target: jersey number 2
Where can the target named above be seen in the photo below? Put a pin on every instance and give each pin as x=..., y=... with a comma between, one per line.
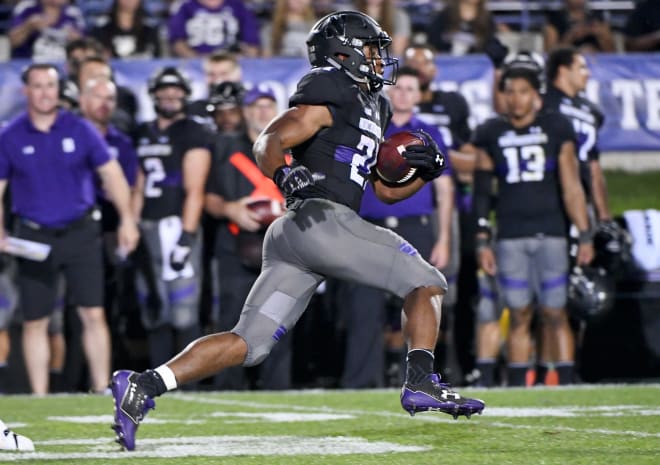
x=361, y=163
x=155, y=173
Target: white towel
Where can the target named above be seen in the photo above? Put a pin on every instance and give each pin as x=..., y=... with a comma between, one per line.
x=169, y=230
x=644, y=227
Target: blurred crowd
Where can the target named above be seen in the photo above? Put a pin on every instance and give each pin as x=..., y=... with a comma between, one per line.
x=188, y=28
x=198, y=197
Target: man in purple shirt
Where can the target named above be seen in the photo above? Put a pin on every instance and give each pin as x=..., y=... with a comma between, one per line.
x=199, y=27
x=51, y=157
x=40, y=29
x=413, y=219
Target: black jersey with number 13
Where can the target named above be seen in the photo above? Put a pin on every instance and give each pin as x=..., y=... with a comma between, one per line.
x=526, y=164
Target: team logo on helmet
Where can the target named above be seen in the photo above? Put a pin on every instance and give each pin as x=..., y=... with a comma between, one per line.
x=338, y=40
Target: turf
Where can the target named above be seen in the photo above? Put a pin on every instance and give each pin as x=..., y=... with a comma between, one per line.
x=632, y=191
x=584, y=425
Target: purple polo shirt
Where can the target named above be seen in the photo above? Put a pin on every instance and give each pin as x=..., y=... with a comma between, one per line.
x=422, y=202
x=52, y=173
x=207, y=29
x=48, y=44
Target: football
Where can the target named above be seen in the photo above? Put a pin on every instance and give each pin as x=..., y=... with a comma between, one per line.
x=268, y=210
x=390, y=165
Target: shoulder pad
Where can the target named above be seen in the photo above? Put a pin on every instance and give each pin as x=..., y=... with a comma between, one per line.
x=322, y=86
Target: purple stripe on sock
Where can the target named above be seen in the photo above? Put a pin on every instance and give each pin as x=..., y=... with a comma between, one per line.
x=4, y=302
x=560, y=280
x=279, y=333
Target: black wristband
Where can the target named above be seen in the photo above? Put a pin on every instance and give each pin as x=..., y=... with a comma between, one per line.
x=186, y=238
x=584, y=237
x=279, y=174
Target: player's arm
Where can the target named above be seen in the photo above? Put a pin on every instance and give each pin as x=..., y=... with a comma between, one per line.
x=392, y=193
x=137, y=194
x=444, y=199
x=114, y=183
x=196, y=166
x=574, y=200
x=234, y=210
x=599, y=189
x=483, y=193
x=291, y=128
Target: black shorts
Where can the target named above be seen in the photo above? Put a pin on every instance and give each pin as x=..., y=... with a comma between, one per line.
x=76, y=253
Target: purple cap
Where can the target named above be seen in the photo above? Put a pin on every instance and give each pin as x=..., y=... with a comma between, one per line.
x=258, y=92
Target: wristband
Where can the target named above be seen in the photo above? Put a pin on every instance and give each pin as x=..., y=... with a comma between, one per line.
x=584, y=237
x=186, y=238
x=280, y=173
x=481, y=242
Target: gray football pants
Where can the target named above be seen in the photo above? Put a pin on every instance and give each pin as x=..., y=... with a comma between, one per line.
x=321, y=239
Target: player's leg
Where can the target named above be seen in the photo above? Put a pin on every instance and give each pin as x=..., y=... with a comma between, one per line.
x=8, y=301
x=153, y=295
x=83, y=272
x=514, y=275
x=552, y=262
x=56, y=340
x=488, y=329
x=378, y=257
x=37, y=291
x=276, y=301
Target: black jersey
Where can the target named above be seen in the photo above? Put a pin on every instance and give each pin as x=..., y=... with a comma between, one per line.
x=449, y=112
x=346, y=151
x=526, y=164
x=161, y=159
x=587, y=119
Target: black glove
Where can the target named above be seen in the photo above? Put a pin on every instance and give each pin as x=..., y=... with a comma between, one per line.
x=291, y=179
x=496, y=51
x=181, y=251
x=428, y=159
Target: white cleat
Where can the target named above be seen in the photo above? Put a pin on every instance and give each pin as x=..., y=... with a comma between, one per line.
x=14, y=442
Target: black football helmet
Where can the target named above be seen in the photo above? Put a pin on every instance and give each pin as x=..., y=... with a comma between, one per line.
x=169, y=76
x=225, y=95
x=613, y=247
x=338, y=39
x=590, y=292
x=524, y=63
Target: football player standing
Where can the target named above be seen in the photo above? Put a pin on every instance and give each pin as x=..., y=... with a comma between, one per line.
x=174, y=155
x=531, y=155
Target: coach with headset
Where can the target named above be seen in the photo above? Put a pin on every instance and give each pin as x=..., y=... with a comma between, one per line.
x=50, y=157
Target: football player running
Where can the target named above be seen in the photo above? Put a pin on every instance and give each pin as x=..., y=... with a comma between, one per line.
x=333, y=127
x=533, y=156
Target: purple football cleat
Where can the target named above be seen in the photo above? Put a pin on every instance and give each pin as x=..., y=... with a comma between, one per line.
x=432, y=394
x=131, y=406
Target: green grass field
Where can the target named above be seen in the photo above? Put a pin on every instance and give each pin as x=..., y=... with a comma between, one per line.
x=584, y=425
x=628, y=191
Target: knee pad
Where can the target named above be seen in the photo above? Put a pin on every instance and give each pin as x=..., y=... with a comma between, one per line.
x=260, y=334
